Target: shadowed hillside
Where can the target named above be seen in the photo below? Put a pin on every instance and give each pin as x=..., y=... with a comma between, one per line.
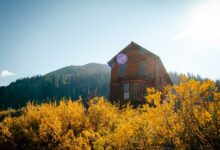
x=70, y=82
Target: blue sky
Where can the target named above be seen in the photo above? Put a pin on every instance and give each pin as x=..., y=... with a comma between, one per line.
x=37, y=37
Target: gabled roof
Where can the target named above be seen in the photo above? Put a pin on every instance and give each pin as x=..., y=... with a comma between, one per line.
x=133, y=44
x=140, y=48
x=144, y=49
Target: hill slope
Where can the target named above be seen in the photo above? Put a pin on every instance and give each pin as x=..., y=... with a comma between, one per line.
x=88, y=69
x=71, y=82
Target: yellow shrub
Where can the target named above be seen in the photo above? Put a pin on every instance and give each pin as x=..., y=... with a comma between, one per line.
x=186, y=116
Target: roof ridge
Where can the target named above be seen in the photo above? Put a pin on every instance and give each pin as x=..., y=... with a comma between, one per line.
x=149, y=52
x=135, y=44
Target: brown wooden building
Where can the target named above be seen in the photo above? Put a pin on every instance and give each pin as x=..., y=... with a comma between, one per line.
x=133, y=70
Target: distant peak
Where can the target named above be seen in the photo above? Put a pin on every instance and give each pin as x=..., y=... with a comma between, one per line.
x=93, y=63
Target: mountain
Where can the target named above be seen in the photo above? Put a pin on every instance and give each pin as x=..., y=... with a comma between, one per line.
x=88, y=69
x=70, y=82
x=68, y=73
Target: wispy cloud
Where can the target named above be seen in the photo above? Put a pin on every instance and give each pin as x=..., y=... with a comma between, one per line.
x=6, y=73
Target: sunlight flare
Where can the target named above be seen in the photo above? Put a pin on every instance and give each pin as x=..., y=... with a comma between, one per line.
x=204, y=23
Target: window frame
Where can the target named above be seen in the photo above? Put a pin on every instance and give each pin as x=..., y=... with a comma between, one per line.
x=122, y=70
x=137, y=89
x=126, y=91
x=142, y=69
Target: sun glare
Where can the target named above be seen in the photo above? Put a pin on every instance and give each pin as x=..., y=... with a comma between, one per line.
x=204, y=23
x=206, y=20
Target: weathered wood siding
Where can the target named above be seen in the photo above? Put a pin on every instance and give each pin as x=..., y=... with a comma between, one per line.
x=156, y=75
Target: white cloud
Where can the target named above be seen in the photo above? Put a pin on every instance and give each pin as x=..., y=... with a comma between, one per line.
x=6, y=73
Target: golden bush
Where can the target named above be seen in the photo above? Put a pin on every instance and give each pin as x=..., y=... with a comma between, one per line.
x=184, y=116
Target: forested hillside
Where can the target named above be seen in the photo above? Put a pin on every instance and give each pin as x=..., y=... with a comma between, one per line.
x=69, y=82
x=72, y=82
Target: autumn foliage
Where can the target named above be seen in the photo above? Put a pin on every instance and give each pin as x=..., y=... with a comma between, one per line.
x=186, y=116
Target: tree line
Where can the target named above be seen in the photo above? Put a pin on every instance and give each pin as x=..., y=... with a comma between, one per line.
x=51, y=88
x=40, y=89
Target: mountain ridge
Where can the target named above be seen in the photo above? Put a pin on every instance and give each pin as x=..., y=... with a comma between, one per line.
x=87, y=67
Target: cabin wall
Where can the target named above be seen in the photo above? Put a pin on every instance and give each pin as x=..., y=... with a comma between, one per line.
x=134, y=57
x=132, y=75
x=156, y=76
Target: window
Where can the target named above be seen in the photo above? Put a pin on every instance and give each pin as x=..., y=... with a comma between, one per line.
x=122, y=70
x=142, y=68
x=137, y=91
x=126, y=91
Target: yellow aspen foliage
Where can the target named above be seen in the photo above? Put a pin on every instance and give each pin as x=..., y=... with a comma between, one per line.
x=184, y=116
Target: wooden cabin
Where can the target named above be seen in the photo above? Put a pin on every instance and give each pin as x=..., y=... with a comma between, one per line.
x=134, y=69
